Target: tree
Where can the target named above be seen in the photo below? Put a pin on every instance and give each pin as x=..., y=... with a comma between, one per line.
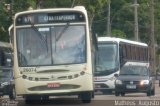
x=122, y=16
x=118, y=33
x=94, y=7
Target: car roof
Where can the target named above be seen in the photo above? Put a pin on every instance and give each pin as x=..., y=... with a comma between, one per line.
x=146, y=64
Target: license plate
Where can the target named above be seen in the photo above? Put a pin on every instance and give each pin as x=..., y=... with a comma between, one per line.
x=53, y=85
x=131, y=86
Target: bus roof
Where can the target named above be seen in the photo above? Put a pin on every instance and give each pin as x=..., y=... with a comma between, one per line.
x=118, y=40
x=129, y=63
x=76, y=8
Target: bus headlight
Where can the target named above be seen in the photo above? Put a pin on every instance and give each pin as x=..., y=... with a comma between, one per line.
x=144, y=82
x=118, y=82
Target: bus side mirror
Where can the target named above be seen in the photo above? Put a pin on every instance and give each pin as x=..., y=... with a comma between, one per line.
x=158, y=75
x=95, y=40
x=8, y=59
x=8, y=62
x=116, y=75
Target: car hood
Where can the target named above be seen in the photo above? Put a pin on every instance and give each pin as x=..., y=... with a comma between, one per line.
x=132, y=78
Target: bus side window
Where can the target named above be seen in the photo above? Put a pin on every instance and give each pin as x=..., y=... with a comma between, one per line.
x=121, y=54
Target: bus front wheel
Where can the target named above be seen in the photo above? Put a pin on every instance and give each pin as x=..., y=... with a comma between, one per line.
x=86, y=97
x=12, y=93
x=32, y=99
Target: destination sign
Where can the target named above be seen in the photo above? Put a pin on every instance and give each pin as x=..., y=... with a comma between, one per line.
x=44, y=18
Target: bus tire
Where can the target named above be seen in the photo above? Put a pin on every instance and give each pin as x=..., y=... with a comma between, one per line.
x=32, y=99
x=122, y=93
x=149, y=93
x=28, y=100
x=12, y=93
x=45, y=98
x=86, y=97
x=117, y=93
x=153, y=91
x=93, y=95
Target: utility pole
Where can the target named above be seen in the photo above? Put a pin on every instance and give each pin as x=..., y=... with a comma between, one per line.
x=10, y=9
x=152, y=36
x=108, y=20
x=12, y=12
x=135, y=20
x=39, y=4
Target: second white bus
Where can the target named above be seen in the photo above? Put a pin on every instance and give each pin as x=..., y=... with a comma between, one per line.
x=113, y=53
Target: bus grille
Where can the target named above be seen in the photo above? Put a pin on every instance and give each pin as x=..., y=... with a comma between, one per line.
x=61, y=87
x=101, y=86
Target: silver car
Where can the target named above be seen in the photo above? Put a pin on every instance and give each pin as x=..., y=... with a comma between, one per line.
x=134, y=78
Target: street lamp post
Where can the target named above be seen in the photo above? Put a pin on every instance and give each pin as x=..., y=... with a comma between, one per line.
x=135, y=5
x=108, y=20
x=135, y=20
x=12, y=12
x=9, y=8
x=39, y=3
x=152, y=36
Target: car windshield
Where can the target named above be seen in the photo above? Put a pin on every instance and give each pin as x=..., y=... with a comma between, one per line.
x=134, y=70
x=107, y=59
x=51, y=45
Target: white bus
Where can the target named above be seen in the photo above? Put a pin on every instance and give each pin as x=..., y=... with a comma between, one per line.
x=113, y=53
x=53, y=54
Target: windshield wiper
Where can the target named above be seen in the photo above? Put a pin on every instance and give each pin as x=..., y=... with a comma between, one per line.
x=23, y=61
x=62, y=32
x=42, y=38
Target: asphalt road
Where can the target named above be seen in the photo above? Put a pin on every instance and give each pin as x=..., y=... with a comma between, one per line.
x=134, y=99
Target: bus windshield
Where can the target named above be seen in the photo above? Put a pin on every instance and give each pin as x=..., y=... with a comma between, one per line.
x=51, y=45
x=107, y=59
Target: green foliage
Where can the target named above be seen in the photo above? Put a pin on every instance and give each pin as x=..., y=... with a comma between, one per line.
x=122, y=16
x=56, y=3
x=4, y=21
x=94, y=7
x=118, y=33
